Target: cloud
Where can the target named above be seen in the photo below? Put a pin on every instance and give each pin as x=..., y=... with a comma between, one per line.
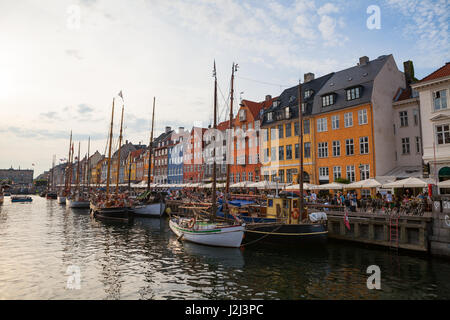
x=51, y=115
x=41, y=133
x=84, y=108
x=74, y=53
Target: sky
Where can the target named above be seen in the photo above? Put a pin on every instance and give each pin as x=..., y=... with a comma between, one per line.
x=62, y=62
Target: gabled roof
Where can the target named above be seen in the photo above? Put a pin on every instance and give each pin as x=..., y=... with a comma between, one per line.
x=360, y=75
x=442, y=72
x=256, y=107
x=223, y=125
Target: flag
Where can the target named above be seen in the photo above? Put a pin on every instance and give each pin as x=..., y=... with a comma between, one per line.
x=120, y=94
x=346, y=221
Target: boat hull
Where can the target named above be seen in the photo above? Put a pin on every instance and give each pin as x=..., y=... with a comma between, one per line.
x=150, y=210
x=1, y=199
x=286, y=233
x=52, y=196
x=220, y=237
x=77, y=204
x=122, y=214
x=61, y=200
x=29, y=199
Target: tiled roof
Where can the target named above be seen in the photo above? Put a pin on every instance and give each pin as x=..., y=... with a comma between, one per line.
x=223, y=125
x=443, y=71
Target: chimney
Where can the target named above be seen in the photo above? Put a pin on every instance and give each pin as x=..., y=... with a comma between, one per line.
x=168, y=129
x=363, y=61
x=180, y=129
x=307, y=77
x=408, y=68
x=126, y=141
x=268, y=97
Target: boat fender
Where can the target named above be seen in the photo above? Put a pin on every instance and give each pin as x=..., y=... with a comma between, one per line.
x=295, y=213
x=191, y=223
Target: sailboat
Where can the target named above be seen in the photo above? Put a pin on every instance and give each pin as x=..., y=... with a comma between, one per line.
x=207, y=230
x=285, y=219
x=51, y=194
x=79, y=199
x=154, y=205
x=65, y=192
x=114, y=207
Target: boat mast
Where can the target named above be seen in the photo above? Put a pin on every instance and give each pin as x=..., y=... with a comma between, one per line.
x=118, y=155
x=88, y=164
x=70, y=170
x=231, y=141
x=78, y=169
x=300, y=136
x=214, y=200
x=67, y=166
x=150, y=147
x=109, y=152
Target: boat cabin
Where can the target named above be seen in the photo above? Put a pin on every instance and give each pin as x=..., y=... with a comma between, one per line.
x=285, y=206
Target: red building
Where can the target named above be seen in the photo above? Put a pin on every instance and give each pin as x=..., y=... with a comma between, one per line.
x=193, y=162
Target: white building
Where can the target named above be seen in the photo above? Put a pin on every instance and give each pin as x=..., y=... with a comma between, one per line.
x=434, y=92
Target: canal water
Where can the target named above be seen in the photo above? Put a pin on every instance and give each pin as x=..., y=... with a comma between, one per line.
x=48, y=251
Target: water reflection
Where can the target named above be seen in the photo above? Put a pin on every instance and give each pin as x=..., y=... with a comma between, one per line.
x=144, y=260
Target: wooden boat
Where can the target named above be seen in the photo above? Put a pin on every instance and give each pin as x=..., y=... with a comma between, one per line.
x=207, y=232
x=21, y=199
x=112, y=207
x=61, y=200
x=51, y=195
x=111, y=213
x=77, y=203
x=150, y=208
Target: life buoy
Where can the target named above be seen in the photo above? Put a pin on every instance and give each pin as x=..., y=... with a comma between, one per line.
x=295, y=213
x=191, y=223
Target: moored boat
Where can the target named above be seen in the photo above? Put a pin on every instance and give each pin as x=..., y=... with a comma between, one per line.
x=119, y=213
x=51, y=195
x=149, y=210
x=77, y=203
x=61, y=200
x=21, y=199
x=207, y=232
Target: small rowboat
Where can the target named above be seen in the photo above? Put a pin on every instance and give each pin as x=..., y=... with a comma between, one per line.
x=208, y=233
x=21, y=199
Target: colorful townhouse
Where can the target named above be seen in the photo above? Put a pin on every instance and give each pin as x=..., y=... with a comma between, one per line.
x=193, y=164
x=160, y=156
x=348, y=125
x=246, y=164
x=175, y=158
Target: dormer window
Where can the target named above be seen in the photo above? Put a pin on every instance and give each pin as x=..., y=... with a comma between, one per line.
x=328, y=100
x=303, y=107
x=275, y=104
x=287, y=113
x=291, y=99
x=242, y=115
x=269, y=116
x=353, y=93
x=308, y=93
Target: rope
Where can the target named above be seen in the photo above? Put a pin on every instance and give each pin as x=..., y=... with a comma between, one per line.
x=264, y=236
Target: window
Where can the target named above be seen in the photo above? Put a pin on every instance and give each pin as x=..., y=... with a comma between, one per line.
x=335, y=122
x=305, y=126
x=273, y=154
x=362, y=116
x=324, y=173
x=364, y=145
x=443, y=134
x=307, y=150
x=250, y=176
x=353, y=93
x=296, y=128
x=323, y=150
x=281, y=175
x=351, y=173
x=349, y=147
x=348, y=119
x=336, y=148
x=308, y=93
x=337, y=173
x=322, y=125
x=440, y=99
x=297, y=151
x=403, y=118
x=238, y=177
x=418, y=145
x=327, y=100
x=405, y=146
x=280, y=131
x=265, y=136
x=273, y=133
x=266, y=155
x=289, y=152
x=287, y=113
x=416, y=117
x=281, y=153
x=242, y=115
x=269, y=116
x=364, y=171
x=288, y=130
